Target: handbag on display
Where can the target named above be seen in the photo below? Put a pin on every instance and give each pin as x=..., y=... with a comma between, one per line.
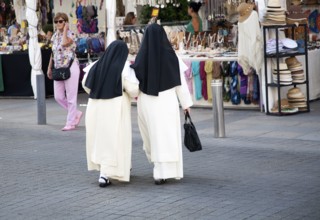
x=61, y=74
x=191, y=138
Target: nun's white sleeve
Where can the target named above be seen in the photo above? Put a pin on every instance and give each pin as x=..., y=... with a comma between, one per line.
x=86, y=89
x=86, y=71
x=130, y=81
x=182, y=90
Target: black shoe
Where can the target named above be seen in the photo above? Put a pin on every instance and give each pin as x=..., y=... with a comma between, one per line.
x=160, y=181
x=106, y=182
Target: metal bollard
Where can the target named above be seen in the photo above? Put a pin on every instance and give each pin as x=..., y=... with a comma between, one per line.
x=217, y=108
x=41, y=100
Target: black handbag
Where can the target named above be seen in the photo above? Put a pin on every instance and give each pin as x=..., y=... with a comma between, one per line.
x=61, y=73
x=191, y=138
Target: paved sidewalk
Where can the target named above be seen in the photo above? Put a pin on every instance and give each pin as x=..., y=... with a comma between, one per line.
x=267, y=167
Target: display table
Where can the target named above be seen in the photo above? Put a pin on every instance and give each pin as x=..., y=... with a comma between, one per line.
x=207, y=103
x=16, y=74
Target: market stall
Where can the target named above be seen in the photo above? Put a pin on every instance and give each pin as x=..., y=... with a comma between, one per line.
x=217, y=44
x=16, y=78
x=31, y=36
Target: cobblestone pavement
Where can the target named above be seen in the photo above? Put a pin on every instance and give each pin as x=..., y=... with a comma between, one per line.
x=266, y=168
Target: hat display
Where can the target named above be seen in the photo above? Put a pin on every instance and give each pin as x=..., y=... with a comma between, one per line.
x=297, y=99
x=295, y=93
x=275, y=14
x=244, y=10
x=295, y=13
x=296, y=69
x=285, y=77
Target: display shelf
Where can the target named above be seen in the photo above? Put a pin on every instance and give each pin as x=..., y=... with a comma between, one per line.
x=282, y=85
x=278, y=55
x=282, y=55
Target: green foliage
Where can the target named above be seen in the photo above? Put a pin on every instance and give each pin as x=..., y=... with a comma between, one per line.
x=168, y=14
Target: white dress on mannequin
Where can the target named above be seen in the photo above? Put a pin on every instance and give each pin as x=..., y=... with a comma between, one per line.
x=250, y=47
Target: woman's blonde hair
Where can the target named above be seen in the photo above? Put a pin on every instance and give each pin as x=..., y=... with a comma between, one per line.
x=62, y=15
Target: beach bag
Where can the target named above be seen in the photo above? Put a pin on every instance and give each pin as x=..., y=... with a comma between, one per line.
x=82, y=46
x=87, y=21
x=94, y=45
x=191, y=138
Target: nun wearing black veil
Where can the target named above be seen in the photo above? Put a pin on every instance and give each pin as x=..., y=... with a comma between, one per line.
x=110, y=82
x=161, y=82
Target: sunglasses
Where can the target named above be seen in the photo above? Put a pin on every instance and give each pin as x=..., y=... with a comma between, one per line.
x=59, y=21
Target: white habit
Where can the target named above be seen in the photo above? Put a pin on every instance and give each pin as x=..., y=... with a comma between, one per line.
x=160, y=128
x=108, y=130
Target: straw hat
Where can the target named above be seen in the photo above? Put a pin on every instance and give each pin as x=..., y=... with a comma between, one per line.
x=289, y=43
x=282, y=66
x=298, y=104
x=285, y=107
x=276, y=17
x=297, y=73
x=295, y=12
x=296, y=2
x=292, y=62
x=297, y=100
x=282, y=72
x=284, y=103
x=273, y=4
x=244, y=10
x=295, y=93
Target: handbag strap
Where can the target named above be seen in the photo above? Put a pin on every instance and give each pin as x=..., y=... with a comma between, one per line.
x=70, y=63
x=186, y=117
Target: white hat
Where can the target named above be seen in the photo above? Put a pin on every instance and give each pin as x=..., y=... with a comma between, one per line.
x=289, y=43
x=282, y=66
x=273, y=4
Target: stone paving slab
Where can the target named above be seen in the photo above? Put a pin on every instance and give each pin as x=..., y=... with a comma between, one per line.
x=266, y=168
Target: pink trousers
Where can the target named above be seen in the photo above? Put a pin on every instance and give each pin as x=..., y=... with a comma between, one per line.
x=66, y=93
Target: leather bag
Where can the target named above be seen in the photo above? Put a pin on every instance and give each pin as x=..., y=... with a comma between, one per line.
x=61, y=74
x=191, y=138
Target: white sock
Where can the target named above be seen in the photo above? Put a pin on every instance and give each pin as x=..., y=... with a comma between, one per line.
x=102, y=180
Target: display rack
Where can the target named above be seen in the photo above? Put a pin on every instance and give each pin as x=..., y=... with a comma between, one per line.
x=278, y=56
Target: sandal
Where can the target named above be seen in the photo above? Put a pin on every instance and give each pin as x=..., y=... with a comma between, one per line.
x=160, y=181
x=104, y=182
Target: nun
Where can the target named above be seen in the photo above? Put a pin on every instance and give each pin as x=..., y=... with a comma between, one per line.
x=110, y=83
x=162, y=83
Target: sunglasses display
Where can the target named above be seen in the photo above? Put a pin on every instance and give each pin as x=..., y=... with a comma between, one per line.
x=59, y=21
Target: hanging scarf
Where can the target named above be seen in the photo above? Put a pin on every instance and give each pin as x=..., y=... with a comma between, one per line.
x=204, y=81
x=188, y=76
x=208, y=67
x=197, y=80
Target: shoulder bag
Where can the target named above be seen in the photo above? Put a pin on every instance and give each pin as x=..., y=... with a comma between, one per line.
x=61, y=74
